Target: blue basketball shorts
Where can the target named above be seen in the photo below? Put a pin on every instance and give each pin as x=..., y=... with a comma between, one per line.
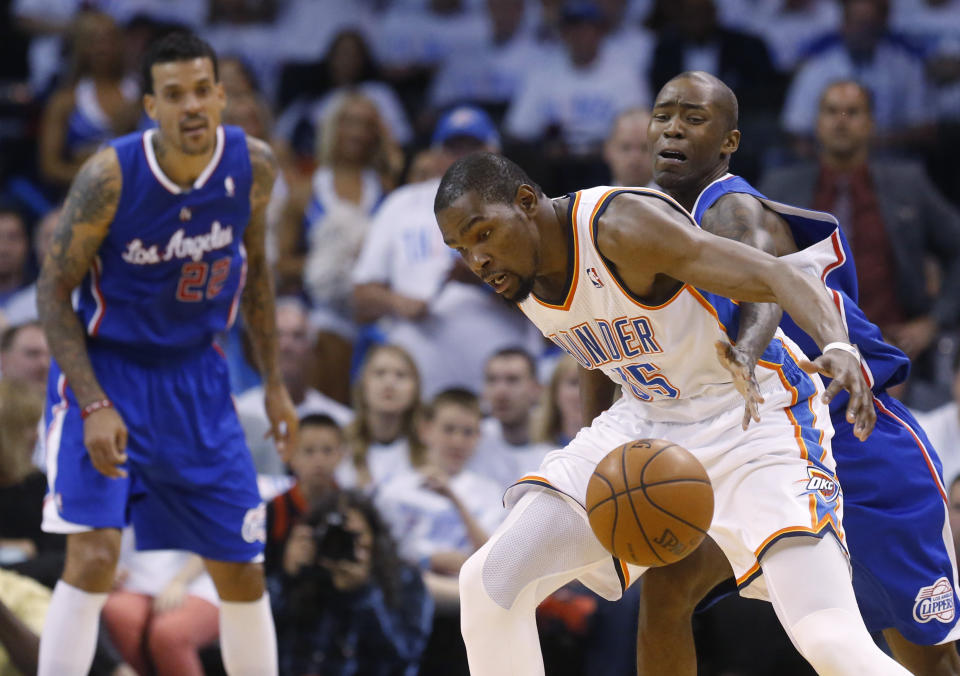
x=191, y=481
x=897, y=525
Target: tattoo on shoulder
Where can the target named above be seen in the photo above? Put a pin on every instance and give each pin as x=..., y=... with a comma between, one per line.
x=264, y=165
x=730, y=218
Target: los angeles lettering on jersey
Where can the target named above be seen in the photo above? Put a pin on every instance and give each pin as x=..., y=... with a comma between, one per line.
x=599, y=341
x=180, y=246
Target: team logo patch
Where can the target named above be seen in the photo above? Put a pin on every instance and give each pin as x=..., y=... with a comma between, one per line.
x=935, y=602
x=254, y=527
x=821, y=484
x=594, y=278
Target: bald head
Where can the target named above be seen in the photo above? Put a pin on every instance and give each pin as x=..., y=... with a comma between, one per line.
x=718, y=94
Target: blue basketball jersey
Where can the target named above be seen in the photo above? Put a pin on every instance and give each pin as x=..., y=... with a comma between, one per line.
x=886, y=365
x=170, y=272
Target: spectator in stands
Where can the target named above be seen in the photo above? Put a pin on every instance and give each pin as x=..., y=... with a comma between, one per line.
x=163, y=610
x=627, y=151
x=891, y=70
x=573, y=99
x=790, y=27
x=97, y=102
x=382, y=439
x=352, y=607
x=942, y=426
x=422, y=296
x=489, y=75
x=440, y=513
x=560, y=415
x=891, y=214
x=293, y=357
x=506, y=450
x=24, y=355
x=14, y=245
x=326, y=220
x=22, y=305
x=349, y=66
x=319, y=451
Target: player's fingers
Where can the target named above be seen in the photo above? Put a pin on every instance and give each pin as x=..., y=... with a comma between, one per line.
x=833, y=389
x=815, y=366
x=747, y=417
x=122, y=438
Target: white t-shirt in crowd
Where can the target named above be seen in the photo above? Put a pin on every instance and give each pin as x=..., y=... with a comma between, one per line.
x=503, y=462
x=424, y=522
x=384, y=461
x=583, y=101
x=942, y=426
x=253, y=419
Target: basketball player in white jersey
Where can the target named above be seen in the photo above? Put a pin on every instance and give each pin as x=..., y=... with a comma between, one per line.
x=625, y=281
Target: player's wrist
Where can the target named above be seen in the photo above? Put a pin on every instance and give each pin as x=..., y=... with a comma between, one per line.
x=92, y=407
x=842, y=347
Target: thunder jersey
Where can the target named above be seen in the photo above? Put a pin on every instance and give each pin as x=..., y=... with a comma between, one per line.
x=825, y=252
x=662, y=355
x=170, y=272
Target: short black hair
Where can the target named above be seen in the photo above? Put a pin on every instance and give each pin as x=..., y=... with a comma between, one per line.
x=843, y=82
x=320, y=420
x=177, y=46
x=493, y=177
x=517, y=352
x=453, y=396
x=9, y=335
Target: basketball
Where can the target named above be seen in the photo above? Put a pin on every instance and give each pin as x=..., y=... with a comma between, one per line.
x=650, y=502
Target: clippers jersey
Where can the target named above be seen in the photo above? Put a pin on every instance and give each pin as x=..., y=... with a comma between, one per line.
x=170, y=272
x=824, y=252
x=662, y=355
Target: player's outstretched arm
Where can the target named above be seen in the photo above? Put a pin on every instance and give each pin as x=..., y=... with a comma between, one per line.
x=257, y=302
x=644, y=238
x=743, y=218
x=87, y=214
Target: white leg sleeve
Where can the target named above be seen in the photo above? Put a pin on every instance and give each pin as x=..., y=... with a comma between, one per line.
x=69, y=638
x=543, y=544
x=810, y=588
x=247, y=638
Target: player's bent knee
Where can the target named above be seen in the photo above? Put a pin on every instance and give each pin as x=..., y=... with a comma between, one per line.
x=91, y=555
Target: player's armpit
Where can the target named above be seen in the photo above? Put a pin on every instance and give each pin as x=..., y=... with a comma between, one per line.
x=87, y=214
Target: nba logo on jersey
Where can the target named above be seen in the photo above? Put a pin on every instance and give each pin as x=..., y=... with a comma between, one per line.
x=935, y=602
x=594, y=278
x=822, y=484
x=229, y=186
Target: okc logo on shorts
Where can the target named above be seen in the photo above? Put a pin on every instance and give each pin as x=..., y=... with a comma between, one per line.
x=935, y=602
x=823, y=485
x=255, y=524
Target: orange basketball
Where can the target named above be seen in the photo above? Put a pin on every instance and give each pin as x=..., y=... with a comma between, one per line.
x=650, y=502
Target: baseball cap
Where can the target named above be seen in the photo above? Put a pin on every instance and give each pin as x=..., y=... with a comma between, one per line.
x=466, y=121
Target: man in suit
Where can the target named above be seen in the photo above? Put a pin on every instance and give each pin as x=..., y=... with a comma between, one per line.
x=893, y=217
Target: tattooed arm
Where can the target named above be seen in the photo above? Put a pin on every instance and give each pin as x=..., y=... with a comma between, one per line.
x=257, y=302
x=87, y=214
x=744, y=218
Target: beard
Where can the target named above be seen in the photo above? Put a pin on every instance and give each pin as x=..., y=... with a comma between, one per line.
x=524, y=289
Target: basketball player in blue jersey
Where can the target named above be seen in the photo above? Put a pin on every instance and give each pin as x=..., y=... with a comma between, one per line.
x=624, y=280
x=895, y=510
x=164, y=234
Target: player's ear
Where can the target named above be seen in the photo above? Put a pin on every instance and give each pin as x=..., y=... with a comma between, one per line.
x=730, y=142
x=527, y=199
x=150, y=105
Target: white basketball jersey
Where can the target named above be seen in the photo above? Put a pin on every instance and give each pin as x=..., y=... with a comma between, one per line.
x=664, y=355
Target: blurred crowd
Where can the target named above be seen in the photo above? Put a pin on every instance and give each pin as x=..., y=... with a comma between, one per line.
x=422, y=394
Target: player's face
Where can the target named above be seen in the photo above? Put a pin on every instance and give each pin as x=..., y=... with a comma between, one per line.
x=187, y=103
x=389, y=384
x=844, y=124
x=451, y=437
x=688, y=133
x=498, y=242
x=319, y=453
x=510, y=389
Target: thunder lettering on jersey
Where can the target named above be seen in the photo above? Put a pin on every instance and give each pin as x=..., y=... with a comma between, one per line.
x=826, y=254
x=663, y=355
x=170, y=272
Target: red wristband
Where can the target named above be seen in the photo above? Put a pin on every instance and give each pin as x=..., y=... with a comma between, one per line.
x=94, y=406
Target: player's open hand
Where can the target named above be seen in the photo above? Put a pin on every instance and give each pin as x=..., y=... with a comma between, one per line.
x=847, y=375
x=105, y=437
x=741, y=368
x=282, y=415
